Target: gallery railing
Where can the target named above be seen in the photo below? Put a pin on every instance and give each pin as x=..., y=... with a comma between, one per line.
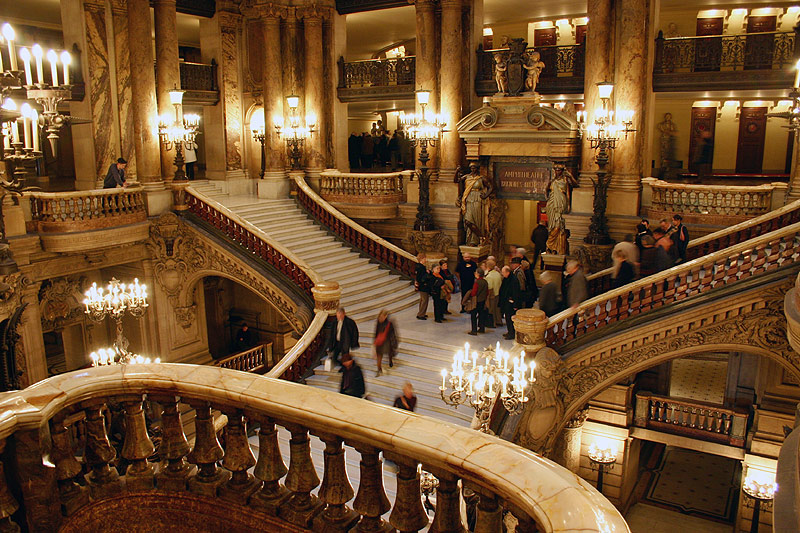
x=360, y=237
x=712, y=200
x=57, y=486
x=377, y=72
x=256, y=359
x=600, y=282
x=751, y=51
x=199, y=76
x=739, y=262
x=564, y=69
x=341, y=187
x=693, y=419
x=67, y=212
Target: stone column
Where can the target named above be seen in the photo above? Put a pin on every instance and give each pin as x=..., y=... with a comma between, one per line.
x=452, y=79
x=144, y=111
x=272, y=94
x=426, y=68
x=567, y=449
x=334, y=36
x=31, y=338
x=168, y=75
x=630, y=85
x=119, y=14
x=313, y=85
x=230, y=91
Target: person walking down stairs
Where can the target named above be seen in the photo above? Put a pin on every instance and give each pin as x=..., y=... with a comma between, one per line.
x=352, y=377
x=344, y=337
x=385, y=340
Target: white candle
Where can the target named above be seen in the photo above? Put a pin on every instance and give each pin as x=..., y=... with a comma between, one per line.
x=52, y=57
x=444, y=375
x=6, y=138
x=16, y=131
x=25, y=54
x=797, y=76
x=35, y=130
x=8, y=33
x=26, y=124
x=38, y=53
x=66, y=59
x=2, y=41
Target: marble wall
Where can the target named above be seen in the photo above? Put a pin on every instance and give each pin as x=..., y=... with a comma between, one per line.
x=123, y=85
x=230, y=28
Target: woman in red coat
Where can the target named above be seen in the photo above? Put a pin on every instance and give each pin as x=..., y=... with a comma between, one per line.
x=385, y=340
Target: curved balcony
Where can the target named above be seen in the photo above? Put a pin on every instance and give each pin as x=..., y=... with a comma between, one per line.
x=364, y=196
x=211, y=487
x=77, y=221
x=376, y=79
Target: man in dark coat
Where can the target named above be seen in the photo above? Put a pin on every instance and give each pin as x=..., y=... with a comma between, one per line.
x=422, y=285
x=344, y=336
x=577, y=288
x=354, y=151
x=479, y=291
x=680, y=237
x=116, y=175
x=352, y=378
x=539, y=240
x=466, y=274
x=548, y=295
x=244, y=339
x=510, y=299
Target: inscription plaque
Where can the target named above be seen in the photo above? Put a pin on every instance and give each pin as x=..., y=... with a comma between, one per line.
x=522, y=180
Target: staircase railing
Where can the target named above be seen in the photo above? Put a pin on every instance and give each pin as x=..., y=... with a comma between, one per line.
x=255, y=359
x=358, y=236
x=68, y=212
x=693, y=419
x=46, y=476
x=601, y=281
x=736, y=263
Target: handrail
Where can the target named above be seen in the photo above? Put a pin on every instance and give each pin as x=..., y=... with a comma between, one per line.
x=80, y=194
x=373, y=245
x=728, y=36
x=789, y=214
x=380, y=59
x=251, y=360
x=740, y=261
x=533, y=488
x=301, y=355
x=252, y=238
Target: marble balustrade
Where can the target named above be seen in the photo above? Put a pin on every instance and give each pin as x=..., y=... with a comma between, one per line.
x=539, y=493
x=255, y=359
x=66, y=212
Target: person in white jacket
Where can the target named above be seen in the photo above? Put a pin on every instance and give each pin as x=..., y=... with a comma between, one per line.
x=190, y=158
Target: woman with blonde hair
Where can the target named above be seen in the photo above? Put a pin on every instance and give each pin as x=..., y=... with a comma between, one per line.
x=385, y=340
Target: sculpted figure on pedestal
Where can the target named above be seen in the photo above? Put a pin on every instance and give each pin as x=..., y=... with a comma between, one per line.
x=534, y=65
x=557, y=204
x=500, y=74
x=472, y=202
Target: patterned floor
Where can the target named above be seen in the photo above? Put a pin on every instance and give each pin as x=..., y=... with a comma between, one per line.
x=695, y=483
x=701, y=379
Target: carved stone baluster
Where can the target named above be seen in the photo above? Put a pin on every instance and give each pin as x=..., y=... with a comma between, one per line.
x=137, y=447
x=103, y=478
x=720, y=422
x=653, y=410
x=693, y=417
x=685, y=416
x=238, y=460
x=490, y=516
x=447, y=518
x=703, y=419
x=72, y=495
x=302, y=506
x=408, y=515
x=269, y=469
x=206, y=453
x=728, y=421
x=174, y=447
x=8, y=505
x=371, y=501
x=336, y=490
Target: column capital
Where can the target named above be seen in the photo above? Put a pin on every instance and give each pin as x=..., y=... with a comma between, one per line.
x=229, y=21
x=313, y=13
x=450, y=4
x=423, y=4
x=97, y=6
x=271, y=12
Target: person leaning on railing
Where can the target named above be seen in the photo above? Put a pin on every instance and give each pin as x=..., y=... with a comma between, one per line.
x=115, y=177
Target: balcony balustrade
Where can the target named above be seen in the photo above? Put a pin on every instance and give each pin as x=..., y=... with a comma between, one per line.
x=376, y=79
x=364, y=196
x=200, y=82
x=744, y=61
x=562, y=73
x=693, y=419
x=257, y=359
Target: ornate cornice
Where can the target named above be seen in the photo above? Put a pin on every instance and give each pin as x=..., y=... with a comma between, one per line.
x=314, y=13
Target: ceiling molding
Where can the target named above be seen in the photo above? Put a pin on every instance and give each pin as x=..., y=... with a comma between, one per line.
x=345, y=7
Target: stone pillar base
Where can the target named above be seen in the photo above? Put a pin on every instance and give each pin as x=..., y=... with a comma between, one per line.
x=270, y=503
x=433, y=243
x=208, y=487
x=239, y=182
x=301, y=516
x=336, y=524
x=623, y=202
x=313, y=178
x=594, y=257
x=159, y=201
x=175, y=481
x=275, y=185
x=239, y=493
x=479, y=253
x=14, y=218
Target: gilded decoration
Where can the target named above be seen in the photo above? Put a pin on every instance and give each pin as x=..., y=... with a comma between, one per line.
x=60, y=301
x=427, y=241
x=181, y=257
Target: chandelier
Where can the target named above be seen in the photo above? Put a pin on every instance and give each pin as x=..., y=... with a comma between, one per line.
x=183, y=130
x=475, y=383
x=259, y=130
x=112, y=356
x=116, y=300
x=296, y=133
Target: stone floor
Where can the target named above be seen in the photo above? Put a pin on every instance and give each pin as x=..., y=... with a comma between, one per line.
x=644, y=518
x=700, y=378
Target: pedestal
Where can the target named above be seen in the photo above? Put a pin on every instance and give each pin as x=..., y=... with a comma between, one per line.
x=554, y=263
x=275, y=185
x=433, y=243
x=479, y=253
x=594, y=257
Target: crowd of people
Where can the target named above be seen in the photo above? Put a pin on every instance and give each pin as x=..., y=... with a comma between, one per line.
x=650, y=251
x=377, y=149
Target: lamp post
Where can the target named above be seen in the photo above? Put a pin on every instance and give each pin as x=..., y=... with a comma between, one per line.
x=259, y=135
x=760, y=492
x=603, y=133
x=602, y=458
x=423, y=130
x=477, y=383
x=182, y=130
x=296, y=132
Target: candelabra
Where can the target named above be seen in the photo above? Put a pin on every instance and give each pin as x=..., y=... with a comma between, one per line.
x=603, y=133
x=478, y=384
x=296, y=133
x=257, y=126
x=116, y=300
x=759, y=492
x=183, y=130
x=602, y=458
x=422, y=130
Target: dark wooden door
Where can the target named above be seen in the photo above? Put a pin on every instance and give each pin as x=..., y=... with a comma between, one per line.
x=708, y=52
x=546, y=39
x=701, y=143
x=580, y=34
x=759, y=49
x=750, y=148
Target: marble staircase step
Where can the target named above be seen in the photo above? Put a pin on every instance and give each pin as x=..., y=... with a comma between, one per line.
x=300, y=242
x=367, y=293
x=372, y=314
x=324, y=254
x=378, y=302
x=283, y=218
x=349, y=263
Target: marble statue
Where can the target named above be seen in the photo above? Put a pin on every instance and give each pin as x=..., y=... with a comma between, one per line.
x=473, y=204
x=500, y=74
x=534, y=65
x=557, y=204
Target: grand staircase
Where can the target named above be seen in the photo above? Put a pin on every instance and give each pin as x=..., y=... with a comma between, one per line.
x=366, y=289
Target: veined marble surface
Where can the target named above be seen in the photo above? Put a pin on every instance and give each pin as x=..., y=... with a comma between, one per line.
x=558, y=499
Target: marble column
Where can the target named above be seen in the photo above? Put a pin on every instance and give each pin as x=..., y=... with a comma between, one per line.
x=334, y=38
x=630, y=85
x=426, y=69
x=31, y=339
x=168, y=74
x=567, y=448
x=230, y=28
x=272, y=91
x=452, y=78
x=119, y=14
x=313, y=86
x=145, y=112
x=98, y=88
x=292, y=61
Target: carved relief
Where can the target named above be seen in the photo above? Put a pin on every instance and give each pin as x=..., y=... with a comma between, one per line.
x=427, y=241
x=61, y=301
